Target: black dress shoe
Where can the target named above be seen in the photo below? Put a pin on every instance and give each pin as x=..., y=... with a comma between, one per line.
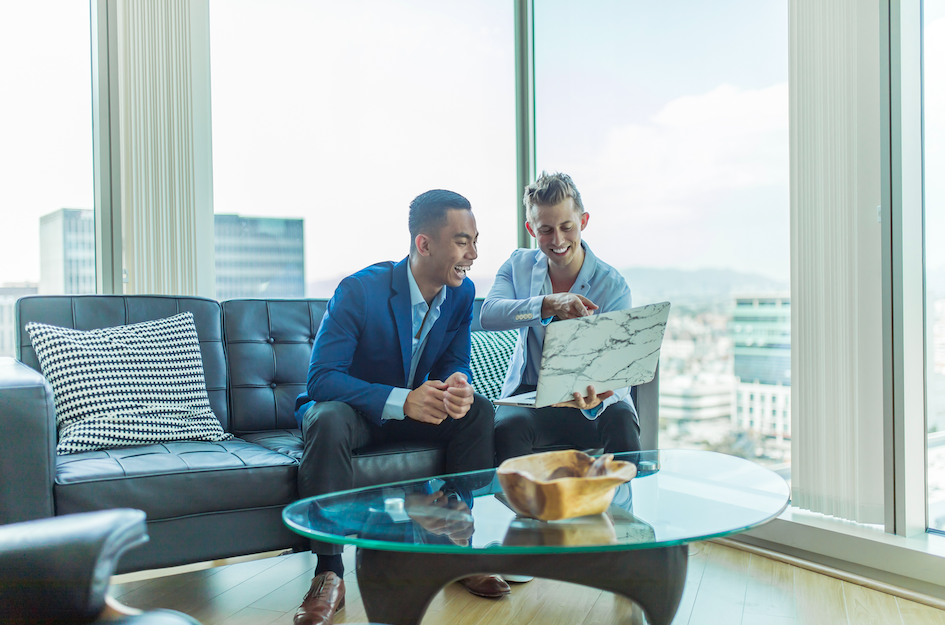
x=489, y=586
x=323, y=599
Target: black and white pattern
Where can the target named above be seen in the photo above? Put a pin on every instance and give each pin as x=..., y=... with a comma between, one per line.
x=136, y=384
x=489, y=360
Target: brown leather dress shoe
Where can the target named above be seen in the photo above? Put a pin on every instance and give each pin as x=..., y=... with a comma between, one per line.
x=323, y=599
x=489, y=586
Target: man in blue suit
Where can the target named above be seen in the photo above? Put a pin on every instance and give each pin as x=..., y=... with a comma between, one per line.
x=562, y=279
x=391, y=363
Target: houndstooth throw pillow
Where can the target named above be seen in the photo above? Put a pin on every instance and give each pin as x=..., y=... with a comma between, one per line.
x=489, y=360
x=136, y=384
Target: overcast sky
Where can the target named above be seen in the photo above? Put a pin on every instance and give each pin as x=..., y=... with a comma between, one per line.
x=671, y=117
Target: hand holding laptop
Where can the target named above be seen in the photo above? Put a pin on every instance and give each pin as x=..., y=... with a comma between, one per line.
x=585, y=403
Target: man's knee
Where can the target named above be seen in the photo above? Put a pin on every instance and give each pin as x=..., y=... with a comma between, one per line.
x=513, y=422
x=330, y=419
x=482, y=412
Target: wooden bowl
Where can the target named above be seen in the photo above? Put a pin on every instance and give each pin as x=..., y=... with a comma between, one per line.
x=562, y=484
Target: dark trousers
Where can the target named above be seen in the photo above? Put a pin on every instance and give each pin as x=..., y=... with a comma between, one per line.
x=332, y=430
x=519, y=431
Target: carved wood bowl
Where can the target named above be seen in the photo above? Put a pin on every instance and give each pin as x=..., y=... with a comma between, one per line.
x=562, y=484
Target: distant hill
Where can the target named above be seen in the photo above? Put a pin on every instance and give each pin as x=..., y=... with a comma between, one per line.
x=699, y=287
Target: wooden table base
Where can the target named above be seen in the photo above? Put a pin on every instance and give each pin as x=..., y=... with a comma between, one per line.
x=397, y=587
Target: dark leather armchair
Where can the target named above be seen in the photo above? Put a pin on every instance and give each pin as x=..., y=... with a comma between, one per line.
x=57, y=570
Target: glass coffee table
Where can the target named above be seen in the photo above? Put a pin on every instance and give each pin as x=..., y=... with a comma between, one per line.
x=416, y=537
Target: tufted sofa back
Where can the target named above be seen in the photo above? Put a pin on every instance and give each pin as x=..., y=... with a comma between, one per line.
x=90, y=312
x=268, y=349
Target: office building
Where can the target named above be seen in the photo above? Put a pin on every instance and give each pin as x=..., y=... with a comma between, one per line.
x=761, y=332
x=67, y=252
x=259, y=256
x=9, y=293
x=254, y=256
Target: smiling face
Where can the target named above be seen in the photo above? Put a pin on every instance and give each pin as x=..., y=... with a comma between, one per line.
x=445, y=257
x=558, y=231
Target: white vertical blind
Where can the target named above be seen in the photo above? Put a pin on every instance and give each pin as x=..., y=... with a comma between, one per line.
x=166, y=187
x=836, y=280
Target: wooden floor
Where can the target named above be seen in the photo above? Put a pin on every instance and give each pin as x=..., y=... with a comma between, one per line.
x=723, y=586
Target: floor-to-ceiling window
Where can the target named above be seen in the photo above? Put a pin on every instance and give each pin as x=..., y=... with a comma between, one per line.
x=47, y=238
x=672, y=119
x=330, y=117
x=934, y=148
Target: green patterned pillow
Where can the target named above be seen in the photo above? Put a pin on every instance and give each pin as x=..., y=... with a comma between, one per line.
x=489, y=360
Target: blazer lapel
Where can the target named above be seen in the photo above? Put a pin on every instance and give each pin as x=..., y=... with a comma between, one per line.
x=400, y=307
x=539, y=273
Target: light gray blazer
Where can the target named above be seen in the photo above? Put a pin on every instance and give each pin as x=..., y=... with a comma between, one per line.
x=514, y=302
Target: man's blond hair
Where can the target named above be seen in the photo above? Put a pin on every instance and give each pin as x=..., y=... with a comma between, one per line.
x=551, y=189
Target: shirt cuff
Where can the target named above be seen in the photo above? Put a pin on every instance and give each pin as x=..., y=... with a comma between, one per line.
x=593, y=412
x=394, y=407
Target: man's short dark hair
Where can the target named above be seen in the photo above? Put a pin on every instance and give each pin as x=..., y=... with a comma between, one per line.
x=428, y=212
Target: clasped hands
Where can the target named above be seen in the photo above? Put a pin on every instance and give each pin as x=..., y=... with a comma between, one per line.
x=441, y=515
x=433, y=401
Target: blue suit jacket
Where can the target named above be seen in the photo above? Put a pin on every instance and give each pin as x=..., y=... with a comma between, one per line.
x=362, y=348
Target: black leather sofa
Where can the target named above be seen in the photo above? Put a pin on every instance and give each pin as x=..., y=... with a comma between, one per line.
x=203, y=500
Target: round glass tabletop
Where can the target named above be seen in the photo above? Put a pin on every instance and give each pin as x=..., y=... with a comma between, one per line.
x=678, y=496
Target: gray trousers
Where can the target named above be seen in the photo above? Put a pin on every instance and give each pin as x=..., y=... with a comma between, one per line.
x=331, y=431
x=520, y=431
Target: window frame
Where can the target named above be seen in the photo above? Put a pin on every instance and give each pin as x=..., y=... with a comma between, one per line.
x=902, y=552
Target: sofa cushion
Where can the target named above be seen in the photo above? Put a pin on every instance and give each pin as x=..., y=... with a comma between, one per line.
x=172, y=480
x=489, y=360
x=128, y=385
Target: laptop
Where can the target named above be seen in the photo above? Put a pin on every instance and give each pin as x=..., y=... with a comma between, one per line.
x=608, y=351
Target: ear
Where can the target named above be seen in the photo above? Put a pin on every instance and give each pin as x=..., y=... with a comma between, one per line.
x=528, y=227
x=422, y=242
x=585, y=217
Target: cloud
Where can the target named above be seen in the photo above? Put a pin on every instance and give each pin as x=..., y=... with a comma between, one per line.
x=705, y=180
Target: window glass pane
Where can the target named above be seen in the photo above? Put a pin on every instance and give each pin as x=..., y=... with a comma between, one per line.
x=47, y=243
x=677, y=138
x=934, y=146
x=332, y=117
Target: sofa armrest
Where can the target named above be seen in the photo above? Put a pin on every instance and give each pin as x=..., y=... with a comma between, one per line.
x=27, y=443
x=646, y=398
x=57, y=570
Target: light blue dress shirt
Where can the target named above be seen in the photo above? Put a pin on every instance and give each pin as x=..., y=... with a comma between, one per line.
x=394, y=407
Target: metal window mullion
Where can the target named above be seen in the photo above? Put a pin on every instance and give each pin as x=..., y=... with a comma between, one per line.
x=903, y=259
x=524, y=108
x=105, y=146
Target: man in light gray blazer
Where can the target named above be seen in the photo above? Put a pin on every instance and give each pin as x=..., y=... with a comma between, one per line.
x=562, y=279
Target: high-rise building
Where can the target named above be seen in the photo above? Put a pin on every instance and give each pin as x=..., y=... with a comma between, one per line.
x=761, y=332
x=9, y=293
x=259, y=256
x=254, y=256
x=67, y=252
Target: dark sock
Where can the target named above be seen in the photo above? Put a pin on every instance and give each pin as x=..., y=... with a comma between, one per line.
x=331, y=563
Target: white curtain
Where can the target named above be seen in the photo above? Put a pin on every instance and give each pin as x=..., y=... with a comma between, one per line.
x=836, y=282
x=166, y=173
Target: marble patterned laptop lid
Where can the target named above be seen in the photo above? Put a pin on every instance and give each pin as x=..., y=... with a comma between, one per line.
x=609, y=351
